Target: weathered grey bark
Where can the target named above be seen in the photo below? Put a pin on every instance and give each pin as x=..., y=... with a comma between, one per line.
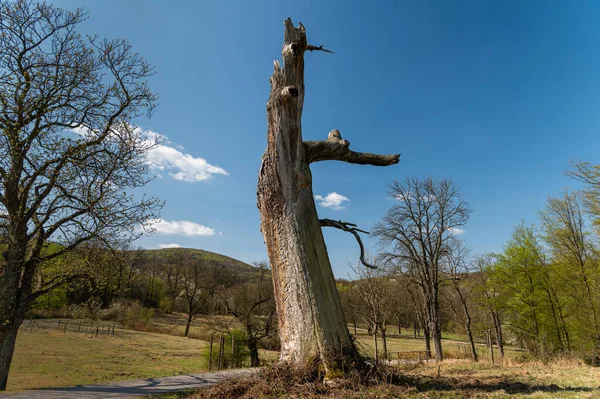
x=311, y=320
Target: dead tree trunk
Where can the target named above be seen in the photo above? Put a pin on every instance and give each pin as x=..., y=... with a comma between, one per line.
x=311, y=320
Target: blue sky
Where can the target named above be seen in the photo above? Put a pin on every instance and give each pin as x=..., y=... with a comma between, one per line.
x=497, y=95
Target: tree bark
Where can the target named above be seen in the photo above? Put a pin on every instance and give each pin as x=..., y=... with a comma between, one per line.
x=15, y=297
x=253, y=349
x=375, y=348
x=427, y=338
x=498, y=330
x=384, y=341
x=188, y=324
x=8, y=338
x=436, y=333
x=463, y=301
x=470, y=335
x=312, y=324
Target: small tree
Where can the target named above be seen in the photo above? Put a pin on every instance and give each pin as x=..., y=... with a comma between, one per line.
x=55, y=185
x=374, y=301
x=200, y=281
x=418, y=228
x=460, y=286
x=252, y=305
x=489, y=294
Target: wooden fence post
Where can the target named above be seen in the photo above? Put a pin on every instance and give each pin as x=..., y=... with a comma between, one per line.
x=221, y=352
x=211, y=351
x=491, y=345
x=232, y=350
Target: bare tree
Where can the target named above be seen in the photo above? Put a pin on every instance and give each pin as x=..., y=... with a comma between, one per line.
x=374, y=301
x=57, y=185
x=200, y=282
x=311, y=321
x=252, y=304
x=484, y=265
x=418, y=228
x=460, y=286
x=171, y=274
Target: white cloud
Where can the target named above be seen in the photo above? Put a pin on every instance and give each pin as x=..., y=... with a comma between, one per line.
x=167, y=157
x=332, y=200
x=182, y=227
x=165, y=246
x=456, y=231
x=180, y=166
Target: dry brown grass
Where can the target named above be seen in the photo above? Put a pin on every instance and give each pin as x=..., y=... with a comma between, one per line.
x=454, y=379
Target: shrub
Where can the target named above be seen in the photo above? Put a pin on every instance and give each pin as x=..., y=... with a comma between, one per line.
x=131, y=315
x=236, y=359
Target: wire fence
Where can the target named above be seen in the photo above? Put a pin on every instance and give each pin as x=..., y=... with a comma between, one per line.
x=89, y=328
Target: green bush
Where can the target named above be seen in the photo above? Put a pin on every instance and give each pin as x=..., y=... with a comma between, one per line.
x=240, y=356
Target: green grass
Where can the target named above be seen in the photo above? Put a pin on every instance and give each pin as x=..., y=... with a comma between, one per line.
x=45, y=357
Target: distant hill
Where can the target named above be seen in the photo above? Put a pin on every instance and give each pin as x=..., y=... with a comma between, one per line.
x=189, y=254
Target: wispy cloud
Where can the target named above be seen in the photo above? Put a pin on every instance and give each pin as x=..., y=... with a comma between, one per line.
x=182, y=227
x=165, y=246
x=332, y=201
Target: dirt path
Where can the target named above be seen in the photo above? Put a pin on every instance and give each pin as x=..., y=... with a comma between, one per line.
x=133, y=388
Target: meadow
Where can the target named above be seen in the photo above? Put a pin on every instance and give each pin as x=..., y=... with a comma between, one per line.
x=47, y=357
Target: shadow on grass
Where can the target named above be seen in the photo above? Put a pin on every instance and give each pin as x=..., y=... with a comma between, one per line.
x=425, y=384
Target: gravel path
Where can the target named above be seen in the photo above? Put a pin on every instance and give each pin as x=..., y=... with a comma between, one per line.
x=133, y=388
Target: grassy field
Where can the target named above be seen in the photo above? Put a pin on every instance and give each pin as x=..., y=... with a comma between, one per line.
x=452, y=348
x=463, y=379
x=45, y=357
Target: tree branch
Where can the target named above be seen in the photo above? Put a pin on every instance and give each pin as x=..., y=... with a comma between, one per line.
x=319, y=48
x=55, y=283
x=350, y=228
x=337, y=149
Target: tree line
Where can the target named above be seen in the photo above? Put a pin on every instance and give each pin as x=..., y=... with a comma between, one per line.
x=541, y=293
x=187, y=283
